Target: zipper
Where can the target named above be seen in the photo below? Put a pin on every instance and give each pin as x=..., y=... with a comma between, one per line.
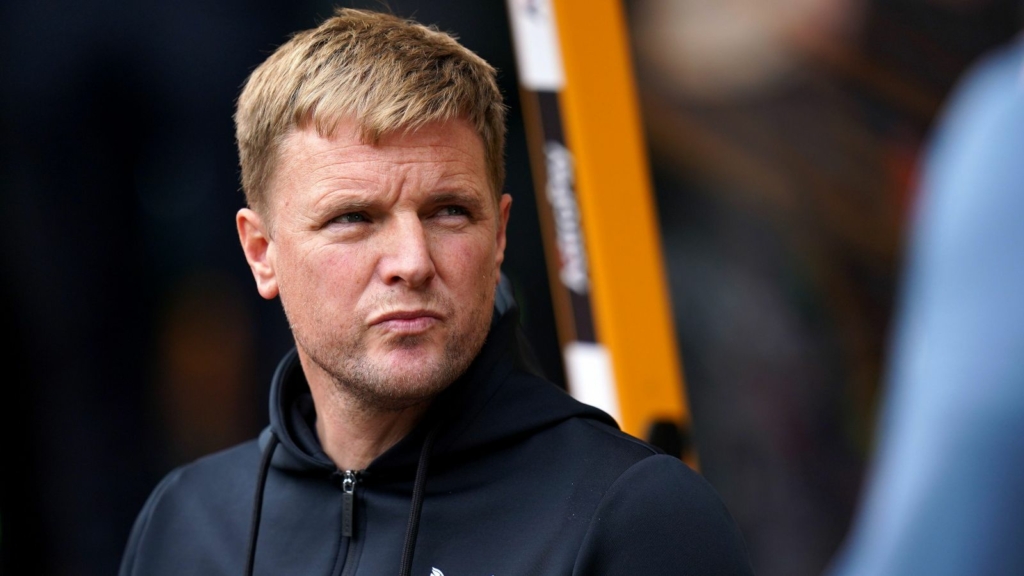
x=349, y=482
x=348, y=489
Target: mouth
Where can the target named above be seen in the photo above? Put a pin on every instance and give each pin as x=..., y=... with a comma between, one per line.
x=406, y=321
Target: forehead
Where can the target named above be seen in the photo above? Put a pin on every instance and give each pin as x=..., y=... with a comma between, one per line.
x=433, y=154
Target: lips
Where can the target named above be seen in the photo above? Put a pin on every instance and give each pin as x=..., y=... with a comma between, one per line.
x=406, y=321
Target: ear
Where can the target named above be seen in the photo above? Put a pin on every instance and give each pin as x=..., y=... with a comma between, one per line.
x=504, y=206
x=258, y=248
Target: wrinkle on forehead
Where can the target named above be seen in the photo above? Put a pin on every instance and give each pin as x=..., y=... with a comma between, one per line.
x=409, y=147
x=438, y=156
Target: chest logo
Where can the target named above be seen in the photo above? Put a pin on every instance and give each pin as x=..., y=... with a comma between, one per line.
x=436, y=572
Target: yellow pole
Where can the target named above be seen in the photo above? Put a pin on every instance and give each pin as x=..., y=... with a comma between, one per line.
x=587, y=85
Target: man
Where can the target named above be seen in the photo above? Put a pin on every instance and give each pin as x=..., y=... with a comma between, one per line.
x=406, y=434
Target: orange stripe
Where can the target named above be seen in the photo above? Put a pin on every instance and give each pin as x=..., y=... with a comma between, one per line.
x=632, y=309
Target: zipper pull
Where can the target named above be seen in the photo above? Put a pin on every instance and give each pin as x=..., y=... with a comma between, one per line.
x=348, y=498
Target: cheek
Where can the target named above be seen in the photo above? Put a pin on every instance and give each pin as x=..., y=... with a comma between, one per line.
x=471, y=260
x=330, y=276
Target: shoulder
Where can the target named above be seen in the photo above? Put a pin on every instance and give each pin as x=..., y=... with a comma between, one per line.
x=665, y=488
x=601, y=441
x=211, y=478
x=190, y=504
x=653, y=514
x=228, y=470
x=662, y=517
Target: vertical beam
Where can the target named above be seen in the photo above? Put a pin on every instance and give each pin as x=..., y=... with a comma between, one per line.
x=603, y=244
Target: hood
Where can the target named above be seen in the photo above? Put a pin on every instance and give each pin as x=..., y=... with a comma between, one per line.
x=499, y=399
x=466, y=414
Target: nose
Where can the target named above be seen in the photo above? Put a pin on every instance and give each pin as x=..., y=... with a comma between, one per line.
x=406, y=257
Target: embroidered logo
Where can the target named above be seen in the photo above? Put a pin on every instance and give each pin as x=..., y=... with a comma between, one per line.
x=436, y=572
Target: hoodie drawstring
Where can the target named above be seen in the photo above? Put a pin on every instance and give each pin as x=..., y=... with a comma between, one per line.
x=414, y=511
x=257, y=509
x=417, y=502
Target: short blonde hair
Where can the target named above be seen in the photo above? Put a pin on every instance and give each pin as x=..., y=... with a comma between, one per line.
x=388, y=73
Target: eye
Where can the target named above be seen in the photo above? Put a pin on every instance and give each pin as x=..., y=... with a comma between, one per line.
x=351, y=218
x=453, y=211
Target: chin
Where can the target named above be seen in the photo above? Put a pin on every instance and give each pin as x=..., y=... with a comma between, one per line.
x=400, y=387
x=420, y=372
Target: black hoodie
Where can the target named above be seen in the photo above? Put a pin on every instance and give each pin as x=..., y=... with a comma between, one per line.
x=505, y=475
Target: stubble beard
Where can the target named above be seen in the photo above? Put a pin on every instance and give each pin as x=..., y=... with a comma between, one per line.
x=376, y=388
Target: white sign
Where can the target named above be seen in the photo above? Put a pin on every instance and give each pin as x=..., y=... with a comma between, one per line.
x=535, y=37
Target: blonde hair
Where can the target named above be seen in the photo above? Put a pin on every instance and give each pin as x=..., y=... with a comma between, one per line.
x=387, y=73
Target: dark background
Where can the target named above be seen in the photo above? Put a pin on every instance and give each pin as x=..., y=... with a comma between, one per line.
x=784, y=171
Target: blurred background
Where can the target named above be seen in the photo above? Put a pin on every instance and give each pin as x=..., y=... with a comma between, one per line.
x=784, y=140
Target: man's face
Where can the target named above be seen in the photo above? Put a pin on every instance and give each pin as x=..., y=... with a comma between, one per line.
x=386, y=257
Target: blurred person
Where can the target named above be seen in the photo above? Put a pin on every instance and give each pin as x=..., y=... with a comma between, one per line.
x=408, y=432
x=944, y=494
x=732, y=49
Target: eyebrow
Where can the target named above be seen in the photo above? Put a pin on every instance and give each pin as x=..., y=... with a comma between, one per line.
x=360, y=203
x=332, y=203
x=470, y=200
x=353, y=204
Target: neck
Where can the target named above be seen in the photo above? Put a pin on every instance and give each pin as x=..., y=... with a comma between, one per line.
x=351, y=433
x=353, y=436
